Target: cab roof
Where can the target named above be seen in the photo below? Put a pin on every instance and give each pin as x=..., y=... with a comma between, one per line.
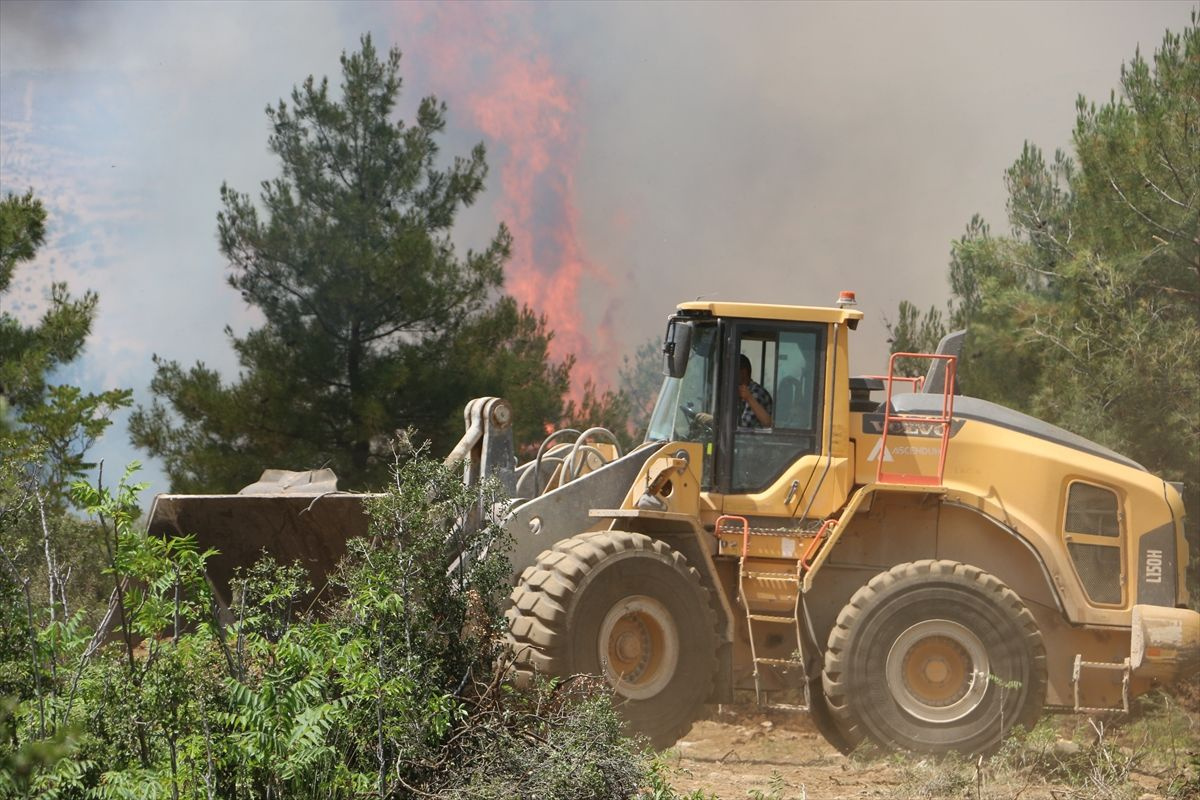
x=848, y=316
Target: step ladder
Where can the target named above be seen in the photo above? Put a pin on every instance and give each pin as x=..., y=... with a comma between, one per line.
x=779, y=580
x=1112, y=666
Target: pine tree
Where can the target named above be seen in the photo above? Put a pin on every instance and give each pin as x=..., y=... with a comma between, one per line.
x=49, y=425
x=373, y=320
x=1088, y=313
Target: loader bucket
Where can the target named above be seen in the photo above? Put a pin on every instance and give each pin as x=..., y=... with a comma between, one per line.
x=291, y=524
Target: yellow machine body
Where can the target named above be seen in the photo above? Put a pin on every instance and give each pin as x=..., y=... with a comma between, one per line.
x=1092, y=543
x=920, y=569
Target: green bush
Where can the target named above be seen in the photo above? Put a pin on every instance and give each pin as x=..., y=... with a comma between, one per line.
x=396, y=688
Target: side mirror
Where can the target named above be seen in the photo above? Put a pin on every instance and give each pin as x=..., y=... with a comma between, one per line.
x=677, y=346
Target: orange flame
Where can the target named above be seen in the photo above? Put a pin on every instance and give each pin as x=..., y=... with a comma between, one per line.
x=488, y=59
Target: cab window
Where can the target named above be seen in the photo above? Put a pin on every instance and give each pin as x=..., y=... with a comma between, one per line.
x=687, y=406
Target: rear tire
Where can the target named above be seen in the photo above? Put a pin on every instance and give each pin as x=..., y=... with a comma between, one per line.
x=628, y=608
x=934, y=656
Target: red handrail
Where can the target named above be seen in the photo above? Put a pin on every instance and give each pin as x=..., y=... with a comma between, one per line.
x=811, y=550
x=945, y=419
x=745, y=529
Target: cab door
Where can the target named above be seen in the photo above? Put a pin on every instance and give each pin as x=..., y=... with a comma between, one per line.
x=776, y=471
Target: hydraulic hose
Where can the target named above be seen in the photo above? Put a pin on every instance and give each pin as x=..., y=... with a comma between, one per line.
x=583, y=437
x=537, y=469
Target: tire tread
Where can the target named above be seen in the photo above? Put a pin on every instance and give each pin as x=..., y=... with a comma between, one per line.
x=537, y=614
x=923, y=572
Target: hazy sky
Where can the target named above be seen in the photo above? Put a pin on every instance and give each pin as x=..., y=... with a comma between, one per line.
x=643, y=154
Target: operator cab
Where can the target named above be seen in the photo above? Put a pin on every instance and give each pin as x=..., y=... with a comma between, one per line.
x=788, y=348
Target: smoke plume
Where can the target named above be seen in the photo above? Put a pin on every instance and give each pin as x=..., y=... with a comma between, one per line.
x=489, y=61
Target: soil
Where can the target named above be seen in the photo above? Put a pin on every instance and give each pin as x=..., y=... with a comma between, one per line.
x=736, y=754
x=746, y=753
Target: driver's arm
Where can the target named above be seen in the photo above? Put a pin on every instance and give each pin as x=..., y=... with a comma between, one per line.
x=761, y=414
x=759, y=410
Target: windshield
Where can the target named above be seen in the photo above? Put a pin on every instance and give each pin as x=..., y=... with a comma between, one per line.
x=685, y=407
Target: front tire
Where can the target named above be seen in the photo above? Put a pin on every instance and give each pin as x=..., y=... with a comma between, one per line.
x=626, y=607
x=934, y=656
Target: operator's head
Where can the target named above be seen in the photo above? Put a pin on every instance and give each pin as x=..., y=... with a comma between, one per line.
x=743, y=369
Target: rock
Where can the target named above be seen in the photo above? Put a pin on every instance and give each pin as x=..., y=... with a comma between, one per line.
x=1064, y=748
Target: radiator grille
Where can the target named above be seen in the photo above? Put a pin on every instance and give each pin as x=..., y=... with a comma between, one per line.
x=1099, y=568
x=1092, y=510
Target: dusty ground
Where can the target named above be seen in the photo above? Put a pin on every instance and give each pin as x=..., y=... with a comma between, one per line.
x=781, y=755
x=744, y=754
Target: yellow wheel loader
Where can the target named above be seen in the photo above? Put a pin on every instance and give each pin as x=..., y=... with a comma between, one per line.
x=919, y=569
